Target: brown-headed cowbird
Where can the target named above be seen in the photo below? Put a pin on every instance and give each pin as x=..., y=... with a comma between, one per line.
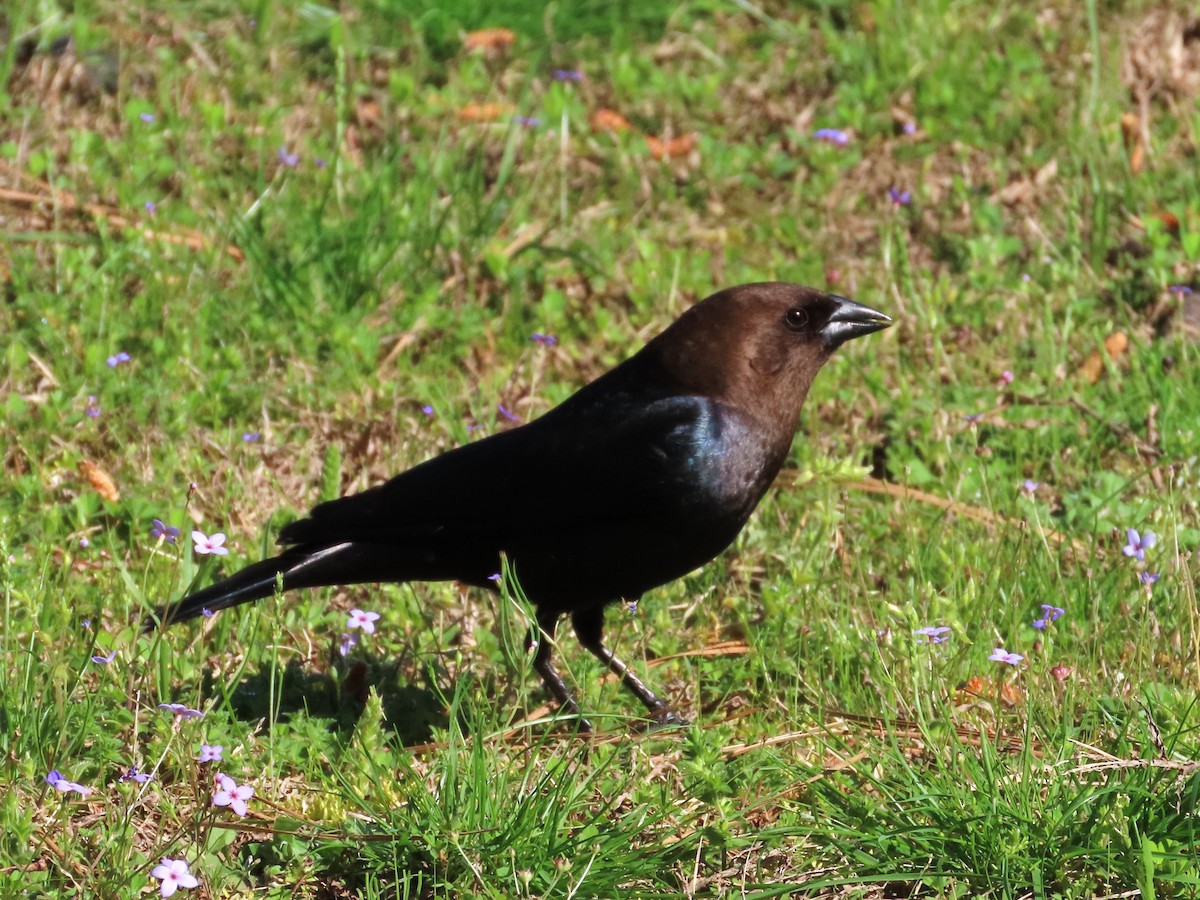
x=640, y=477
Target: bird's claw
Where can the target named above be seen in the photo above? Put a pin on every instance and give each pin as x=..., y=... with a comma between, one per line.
x=663, y=718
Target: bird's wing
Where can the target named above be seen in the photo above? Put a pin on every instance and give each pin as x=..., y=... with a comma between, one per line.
x=581, y=463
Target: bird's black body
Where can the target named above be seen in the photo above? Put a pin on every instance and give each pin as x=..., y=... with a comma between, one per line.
x=642, y=476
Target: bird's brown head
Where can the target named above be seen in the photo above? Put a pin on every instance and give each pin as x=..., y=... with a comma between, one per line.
x=762, y=344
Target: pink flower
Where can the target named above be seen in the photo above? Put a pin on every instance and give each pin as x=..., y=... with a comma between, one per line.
x=230, y=793
x=1002, y=655
x=174, y=874
x=206, y=544
x=364, y=620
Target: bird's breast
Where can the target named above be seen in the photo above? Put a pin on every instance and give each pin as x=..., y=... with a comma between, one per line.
x=734, y=463
x=652, y=510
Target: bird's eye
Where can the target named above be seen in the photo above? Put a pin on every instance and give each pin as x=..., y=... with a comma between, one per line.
x=796, y=319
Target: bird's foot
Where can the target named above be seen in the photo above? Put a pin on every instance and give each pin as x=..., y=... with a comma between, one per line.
x=663, y=718
x=568, y=715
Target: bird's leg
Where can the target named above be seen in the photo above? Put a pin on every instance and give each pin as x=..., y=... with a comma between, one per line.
x=541, y=635
x=589, y=626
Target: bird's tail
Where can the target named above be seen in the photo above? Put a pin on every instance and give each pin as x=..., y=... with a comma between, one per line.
x=298, y=568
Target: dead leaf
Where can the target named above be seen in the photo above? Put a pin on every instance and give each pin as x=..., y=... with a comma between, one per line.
x=1046, y=173
x=1137, y=158
x=484, y=112
x=609, y=120
x=100, y=480
x=1114, y=345
x=1135, y=147
x=1162, y=57
x=42, y=367
x=493, y=39
x=673, y=148
x=1170, y=221
x=368, y=112
x=990, y=689
x=1016, y=193
x=1186, y=321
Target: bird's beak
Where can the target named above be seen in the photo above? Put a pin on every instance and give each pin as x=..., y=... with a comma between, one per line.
x=851, y=320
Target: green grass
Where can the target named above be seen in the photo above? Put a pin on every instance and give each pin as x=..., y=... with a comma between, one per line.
x=324, y=305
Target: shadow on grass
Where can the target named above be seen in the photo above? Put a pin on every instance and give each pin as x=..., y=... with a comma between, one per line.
x=274, y=694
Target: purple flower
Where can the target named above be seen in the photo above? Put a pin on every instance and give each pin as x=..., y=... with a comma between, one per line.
x=214, y=544
x=1002, y=655
x=546, y=340
x=211, y=753
x=364, y=620
x=60, y=784
x=349, y=642
x=1029, y=488
x=84, y=543
x=507, y=413
x=132, y=774
x=1026, y=277
x=1180, y=290
x=934, y=634
x=251, y=436
x=320, y=162
x=427, y=409
x=206, y=612
x=1148, y=578
x=290, y=160
x=1139, y=544
x=151, y=207
x=117, y=358
x=899, y=198
x=104, y=660
x=146, y=117
x=567, y=75
x=181, y=712
x=910, y=127
x=495, y=576
x=230, y=793
x=832, y=136
x=159, y=531
x=174, y=874
x=92, y=411
x=527, y=121
x=1049, y=614
x=972, y=418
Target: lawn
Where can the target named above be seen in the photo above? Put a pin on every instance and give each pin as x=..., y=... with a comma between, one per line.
x=255, y=256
